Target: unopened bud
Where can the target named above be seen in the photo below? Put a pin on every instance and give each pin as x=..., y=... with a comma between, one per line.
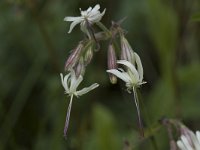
x=74, y=57
x=88, y=55
x=112, y=63
x=80, y=67
x=127, y=52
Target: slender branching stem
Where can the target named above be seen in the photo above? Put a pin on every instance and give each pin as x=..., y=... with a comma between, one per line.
x=105, y=29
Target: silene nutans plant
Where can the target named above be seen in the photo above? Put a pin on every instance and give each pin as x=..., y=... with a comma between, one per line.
x=123, y=63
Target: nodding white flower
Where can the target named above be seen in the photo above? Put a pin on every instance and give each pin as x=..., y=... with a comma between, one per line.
x=189, y=141
x=70, y=83
x=90, y=15
x=133, y=76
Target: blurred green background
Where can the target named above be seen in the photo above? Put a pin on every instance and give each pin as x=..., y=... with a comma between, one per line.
x=34, y=45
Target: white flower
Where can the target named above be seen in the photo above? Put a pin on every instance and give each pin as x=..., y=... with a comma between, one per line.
x=90, y=15
x=189, y=141
x=70, y=83
x=133, y=76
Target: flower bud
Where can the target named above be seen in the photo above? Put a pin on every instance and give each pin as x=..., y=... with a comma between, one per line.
x=88, y=55
x=112, y=63
x=80, y=68
x=127, y=52
x=74, y=57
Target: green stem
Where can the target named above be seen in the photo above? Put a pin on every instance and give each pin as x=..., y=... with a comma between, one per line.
x=105, y=29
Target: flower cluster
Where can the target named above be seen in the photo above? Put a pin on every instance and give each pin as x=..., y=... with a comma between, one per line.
x=81, y=56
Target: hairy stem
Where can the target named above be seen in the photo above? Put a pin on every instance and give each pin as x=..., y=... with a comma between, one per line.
x=68, y=117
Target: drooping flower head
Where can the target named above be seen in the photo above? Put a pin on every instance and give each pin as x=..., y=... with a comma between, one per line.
x=90, y=16
x=70, y=83
x=133, y=76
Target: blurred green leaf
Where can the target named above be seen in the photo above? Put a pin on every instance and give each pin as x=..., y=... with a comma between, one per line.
x=104, y=134
x=196, y=17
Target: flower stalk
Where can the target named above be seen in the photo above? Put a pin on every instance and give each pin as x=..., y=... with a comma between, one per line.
x=68, y=116
x=138, y=112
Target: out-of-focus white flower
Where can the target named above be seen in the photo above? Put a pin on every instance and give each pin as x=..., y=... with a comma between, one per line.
x=90, y=15
x=189, y=141
x=133, y=76
x=70, y=83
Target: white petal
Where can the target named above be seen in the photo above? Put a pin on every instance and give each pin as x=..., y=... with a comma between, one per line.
x=64, y=82
x=76, y=84
x=103, y=13
x=195, y=141
x=122, y=75
x=84, y=27
x=87, y=89
x=131, y=67
x=74, y=81
x=186, y=143
x=139, y=66
x=72, y=18
x=96, y=17
x=89, y=9
x=84, y=13
x=198, y=136
x=94, y=13
x=181, y=145
x=96, y=8
x=73, y=24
